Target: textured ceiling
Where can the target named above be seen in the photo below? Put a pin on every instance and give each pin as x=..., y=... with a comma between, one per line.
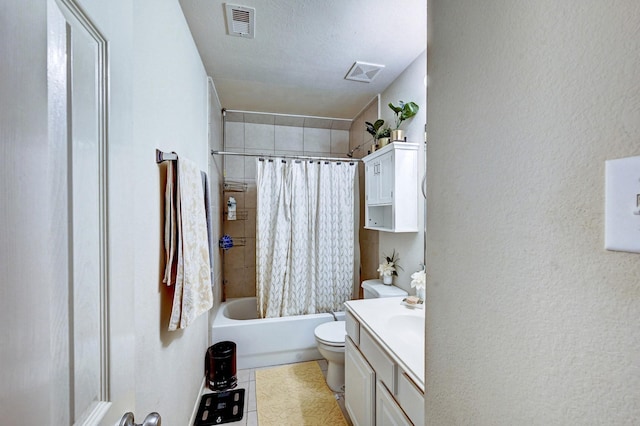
x=303, y=49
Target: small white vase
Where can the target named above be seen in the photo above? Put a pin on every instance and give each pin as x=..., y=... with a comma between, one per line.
x=420, y=292
x=387, y=279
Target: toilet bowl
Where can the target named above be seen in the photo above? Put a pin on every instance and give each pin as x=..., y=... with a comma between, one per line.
x=330, y=341
x=330, y=335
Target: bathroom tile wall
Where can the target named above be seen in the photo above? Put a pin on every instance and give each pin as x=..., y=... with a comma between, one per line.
x=368, y=239
x=239, y=269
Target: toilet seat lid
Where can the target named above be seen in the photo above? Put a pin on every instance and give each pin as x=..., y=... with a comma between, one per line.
x=332, y=333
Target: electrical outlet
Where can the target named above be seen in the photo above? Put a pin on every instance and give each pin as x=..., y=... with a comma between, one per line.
x=622, y=205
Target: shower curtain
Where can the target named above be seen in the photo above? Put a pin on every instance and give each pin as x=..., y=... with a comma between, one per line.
x=304, y=236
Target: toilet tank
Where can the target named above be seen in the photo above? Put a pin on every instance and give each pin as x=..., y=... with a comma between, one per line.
x=374, y=289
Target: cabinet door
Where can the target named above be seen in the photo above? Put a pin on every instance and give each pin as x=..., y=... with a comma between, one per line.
x=372, y=182
x=386, y=178
x=359, y=386
x=388, y=413
x=410, y=398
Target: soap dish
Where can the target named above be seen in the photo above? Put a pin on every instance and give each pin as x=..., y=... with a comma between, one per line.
x=418, y=305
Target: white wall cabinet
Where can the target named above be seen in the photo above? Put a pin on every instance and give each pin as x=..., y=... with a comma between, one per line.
x=391, y=188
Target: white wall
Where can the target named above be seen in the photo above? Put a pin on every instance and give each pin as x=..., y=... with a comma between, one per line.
x=170, y=106
x=408, y=87
x=529, y=319
x=215, y=183
x=159, y=99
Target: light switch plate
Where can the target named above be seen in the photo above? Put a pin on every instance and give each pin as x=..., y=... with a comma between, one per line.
x=622, y=210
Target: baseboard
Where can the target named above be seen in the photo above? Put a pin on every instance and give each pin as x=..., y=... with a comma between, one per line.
x=196, y=405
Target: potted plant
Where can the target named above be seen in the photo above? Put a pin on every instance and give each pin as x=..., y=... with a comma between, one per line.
x=419, y=282
x=384, y=136
x=380, y=135
x=403, y=111
x=389, y=268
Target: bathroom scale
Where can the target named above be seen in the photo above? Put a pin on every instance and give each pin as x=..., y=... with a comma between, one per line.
x=220, y=407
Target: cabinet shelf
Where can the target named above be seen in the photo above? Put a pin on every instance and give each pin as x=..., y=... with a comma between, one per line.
x=240, y=215
x=233, y=186
x=239, y=241
x=391, y=188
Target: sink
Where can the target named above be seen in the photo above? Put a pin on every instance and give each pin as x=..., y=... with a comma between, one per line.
x=397, y=328
x=408, y=328
x=408, y=321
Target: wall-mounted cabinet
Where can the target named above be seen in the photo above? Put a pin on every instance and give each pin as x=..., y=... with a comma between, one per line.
x=391, y=188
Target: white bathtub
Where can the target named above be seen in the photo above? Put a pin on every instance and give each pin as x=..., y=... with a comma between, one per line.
x=268, y=341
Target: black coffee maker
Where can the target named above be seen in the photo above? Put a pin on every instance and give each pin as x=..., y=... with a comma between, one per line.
x=220, y=366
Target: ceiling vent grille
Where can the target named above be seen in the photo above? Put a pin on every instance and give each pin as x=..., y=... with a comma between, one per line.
x=240, y=20
x=362, y=71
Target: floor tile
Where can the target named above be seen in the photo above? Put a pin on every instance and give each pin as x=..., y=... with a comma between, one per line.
x=246, y=380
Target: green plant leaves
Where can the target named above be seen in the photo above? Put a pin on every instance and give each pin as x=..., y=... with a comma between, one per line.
x=374, y=128
x=404, y=111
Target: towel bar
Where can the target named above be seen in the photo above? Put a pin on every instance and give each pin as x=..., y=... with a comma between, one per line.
x=165, y=156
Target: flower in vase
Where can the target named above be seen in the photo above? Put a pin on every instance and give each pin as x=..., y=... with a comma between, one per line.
x=390, y=265
x=387, y=269
x=419, y=280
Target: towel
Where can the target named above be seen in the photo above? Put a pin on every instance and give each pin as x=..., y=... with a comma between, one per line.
x=187, y=245
x=170, y=225
x=207, y=210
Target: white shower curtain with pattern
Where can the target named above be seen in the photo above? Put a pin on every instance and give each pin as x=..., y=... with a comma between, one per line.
x=304, y=236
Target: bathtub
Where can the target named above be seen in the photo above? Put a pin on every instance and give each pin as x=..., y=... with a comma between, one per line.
x=268, y=341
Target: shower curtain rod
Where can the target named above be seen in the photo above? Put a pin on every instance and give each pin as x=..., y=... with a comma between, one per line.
x=292, y=157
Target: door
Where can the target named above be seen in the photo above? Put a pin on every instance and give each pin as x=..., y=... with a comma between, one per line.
x=379, y=180
x=386, y=178
x=372, y=185
x=359, y=386
x=388, y=413
x=78, y=106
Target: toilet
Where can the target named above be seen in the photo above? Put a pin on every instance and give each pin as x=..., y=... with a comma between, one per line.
x=374, y=289
x=330, y=335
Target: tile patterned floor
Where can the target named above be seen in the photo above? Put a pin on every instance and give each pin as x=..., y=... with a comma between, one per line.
x=247, y=381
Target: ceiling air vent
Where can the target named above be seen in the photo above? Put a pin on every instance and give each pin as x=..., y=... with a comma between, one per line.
x=240, y=20
x=362, y=71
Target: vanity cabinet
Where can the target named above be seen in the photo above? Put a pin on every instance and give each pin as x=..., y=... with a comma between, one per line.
x=388, y=412
x=360, y=379
x=377, y=390
x=391, y=188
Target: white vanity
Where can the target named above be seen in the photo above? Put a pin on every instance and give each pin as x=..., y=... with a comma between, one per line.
x=384, y=362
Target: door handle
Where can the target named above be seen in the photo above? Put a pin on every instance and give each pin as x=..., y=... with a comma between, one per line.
x=152, y=419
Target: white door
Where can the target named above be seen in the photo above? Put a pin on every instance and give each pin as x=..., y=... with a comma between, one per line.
x=387, y=178
x=78, y=123
x=372, y=185
x=359, y=386
x=388, y=413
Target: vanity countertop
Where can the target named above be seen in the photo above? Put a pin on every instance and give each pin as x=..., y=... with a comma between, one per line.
x=397, y=328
